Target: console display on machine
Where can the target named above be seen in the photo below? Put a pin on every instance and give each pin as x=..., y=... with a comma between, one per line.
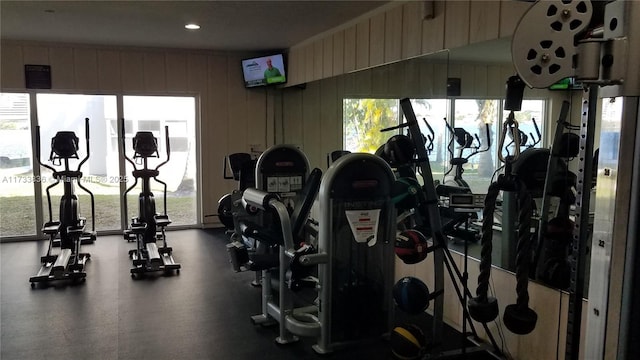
x=468, y=201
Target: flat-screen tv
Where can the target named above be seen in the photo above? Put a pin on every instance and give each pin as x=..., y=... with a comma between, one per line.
x=265, y=70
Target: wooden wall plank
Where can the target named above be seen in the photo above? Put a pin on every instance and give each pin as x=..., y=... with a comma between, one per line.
x=318, y=47
x=440, y=73
x=309, y=71
x=396, y=77
x=62, y=67
x=132, y=65
x=155, y=72
x=176, y=72
x=481, y=81
x=85, y=69
x=393, y=35
x=237, y=105
x=484, y=23
x=213, y=131
x=467, y=73
x=412, y=29
x=330, y=119
x=376, y=40
x=12, y=67
x=495, y=84
x=294, y=60
x=379, y=81
x=456, y=26
x=362, y=45
x=256, y=118
x=196, y=66
x=327, y=57
x=411, y=81
x=109, y=73
x=311, y=124
x=338, y=53
x=35, y=55
x=292, y=118
x=433, y=29
x=510, y=14
x=350, y=49
x=426, y=79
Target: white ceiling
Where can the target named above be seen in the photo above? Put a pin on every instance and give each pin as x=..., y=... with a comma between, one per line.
x=226, y=25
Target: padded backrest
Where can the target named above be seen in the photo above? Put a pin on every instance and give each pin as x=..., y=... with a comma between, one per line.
x=236, y=162
x=307, y=197
x=247, y=175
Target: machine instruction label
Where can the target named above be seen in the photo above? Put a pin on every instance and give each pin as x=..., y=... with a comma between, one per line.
x=364, y=225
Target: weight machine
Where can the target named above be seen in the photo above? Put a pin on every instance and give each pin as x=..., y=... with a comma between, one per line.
x=69, y=263
x=598, y=44
x=148, y=227
x=354, y=257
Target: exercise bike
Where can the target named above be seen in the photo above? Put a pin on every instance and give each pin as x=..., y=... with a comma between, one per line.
x=148, y=227
x=69, y=263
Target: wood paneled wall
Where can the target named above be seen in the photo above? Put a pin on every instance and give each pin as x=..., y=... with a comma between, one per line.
x=401, y=32
x=231, y=117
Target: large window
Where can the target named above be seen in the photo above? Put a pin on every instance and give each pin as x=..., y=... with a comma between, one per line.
x=473, y=116
x=154, y=113
x=363, y=119
x=22, y=185
x=17, y=208
x=62, y=112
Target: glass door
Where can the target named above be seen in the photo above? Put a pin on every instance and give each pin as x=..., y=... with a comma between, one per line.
x=64, y=112
x=178, y=115
x=17, y=208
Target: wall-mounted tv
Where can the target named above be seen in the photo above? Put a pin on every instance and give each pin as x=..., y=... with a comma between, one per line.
x=265, y=70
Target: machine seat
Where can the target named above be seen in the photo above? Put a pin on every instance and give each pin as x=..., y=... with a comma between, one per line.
x=266, y=235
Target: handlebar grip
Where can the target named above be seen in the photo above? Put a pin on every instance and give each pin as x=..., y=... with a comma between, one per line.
x=488, y=135
x=535, y=125
x=166, y=139
x=86, y=128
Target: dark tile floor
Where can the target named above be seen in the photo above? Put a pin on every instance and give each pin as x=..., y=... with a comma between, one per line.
x=202, y=313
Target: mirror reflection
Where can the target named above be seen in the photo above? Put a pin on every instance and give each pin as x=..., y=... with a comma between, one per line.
x=459, y=99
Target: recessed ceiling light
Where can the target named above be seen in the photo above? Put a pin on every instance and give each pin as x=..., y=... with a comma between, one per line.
x=192, y=26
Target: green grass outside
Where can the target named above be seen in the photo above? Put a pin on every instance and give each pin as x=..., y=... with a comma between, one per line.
x=17, y=213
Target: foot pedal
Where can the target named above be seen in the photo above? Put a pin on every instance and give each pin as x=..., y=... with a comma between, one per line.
x=88, y=238
x=61, y=263
x=138, y=228
x=129, y=236
x=238, y=255
x=162, y=220
x=154, y=255
x=51, y=228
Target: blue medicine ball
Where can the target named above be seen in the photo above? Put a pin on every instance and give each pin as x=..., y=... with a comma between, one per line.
x=411, y=295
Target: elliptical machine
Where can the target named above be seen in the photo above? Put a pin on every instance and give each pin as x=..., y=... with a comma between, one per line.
x=148, y=227
x=70, y=228
x=465, y=141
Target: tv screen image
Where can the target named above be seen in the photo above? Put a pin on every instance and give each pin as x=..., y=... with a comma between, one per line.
x=266, y=70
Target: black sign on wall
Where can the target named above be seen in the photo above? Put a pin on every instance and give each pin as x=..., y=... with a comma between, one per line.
x=454, y=86
x=37, y=76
